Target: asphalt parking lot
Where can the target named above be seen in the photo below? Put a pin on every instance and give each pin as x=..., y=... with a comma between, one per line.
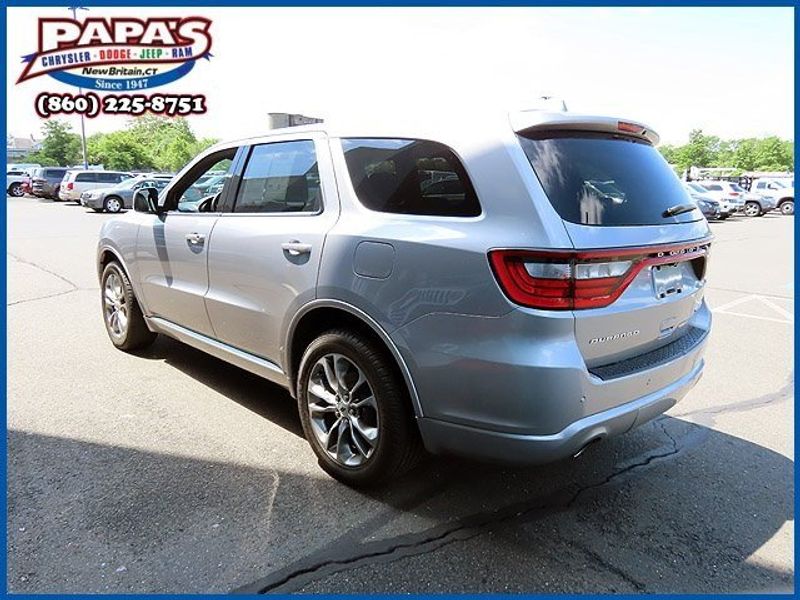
x=172, y=471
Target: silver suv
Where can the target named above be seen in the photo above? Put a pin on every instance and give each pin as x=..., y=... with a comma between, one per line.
x=513, y=288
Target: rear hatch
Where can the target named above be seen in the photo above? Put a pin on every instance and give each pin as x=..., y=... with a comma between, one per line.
x=637, y=273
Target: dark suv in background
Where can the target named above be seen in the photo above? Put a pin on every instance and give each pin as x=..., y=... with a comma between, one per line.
x=46, y=181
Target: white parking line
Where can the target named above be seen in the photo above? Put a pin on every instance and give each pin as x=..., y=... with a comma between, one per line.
x=724, y=309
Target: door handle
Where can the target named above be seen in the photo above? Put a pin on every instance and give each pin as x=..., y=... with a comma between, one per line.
x=296, y=248
x=195, y=238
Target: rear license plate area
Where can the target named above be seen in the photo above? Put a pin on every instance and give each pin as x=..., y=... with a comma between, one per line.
x=667, y=280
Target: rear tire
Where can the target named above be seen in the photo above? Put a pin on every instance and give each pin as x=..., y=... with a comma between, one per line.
x=723, y=217
x=787, y=207
x=348, y=391
x=15, y=189
x=122, y=316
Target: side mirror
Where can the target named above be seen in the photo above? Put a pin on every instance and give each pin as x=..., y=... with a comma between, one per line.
x=146, y=201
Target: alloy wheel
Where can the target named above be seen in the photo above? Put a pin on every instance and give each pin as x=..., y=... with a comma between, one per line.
x=116, y=308
x=787, y=208
x=751, y=209
x=342, y=410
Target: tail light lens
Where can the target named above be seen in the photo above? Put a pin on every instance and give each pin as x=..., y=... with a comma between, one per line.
x=569, y=280
x=734, y=193
x=70, y=185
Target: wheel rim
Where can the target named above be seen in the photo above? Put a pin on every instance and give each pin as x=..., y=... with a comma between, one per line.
x=112, y=205
x=115, y=306
x=16, y=190
x=751, y=210
x=342, y=410
x=787, y=208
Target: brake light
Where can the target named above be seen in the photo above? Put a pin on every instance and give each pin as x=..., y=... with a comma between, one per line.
x=630, y=127
x=734, y=193
x=70, y=185
x=569, y=280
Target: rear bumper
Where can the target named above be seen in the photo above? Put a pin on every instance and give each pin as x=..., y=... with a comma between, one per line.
x=442, y=437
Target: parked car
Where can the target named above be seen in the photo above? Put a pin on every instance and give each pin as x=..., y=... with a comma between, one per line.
x=15, y=182
x=77, y=181
x=729, y=195
x=553, y=298
x=757, y=205
x=114, y=199
x=780, y=190
x=707, y=205
x=726, y=207
x=46, y=181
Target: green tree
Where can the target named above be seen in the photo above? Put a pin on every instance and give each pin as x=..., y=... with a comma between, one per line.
x=60, y=147
x=119, y=150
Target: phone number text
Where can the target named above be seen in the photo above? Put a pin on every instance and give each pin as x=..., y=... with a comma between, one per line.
x=92, y=105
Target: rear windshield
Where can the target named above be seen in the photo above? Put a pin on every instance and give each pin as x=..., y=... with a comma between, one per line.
x=605, y=179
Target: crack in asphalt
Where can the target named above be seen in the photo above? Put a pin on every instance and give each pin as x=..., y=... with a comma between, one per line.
x=386, y=551
x=598, y=558
x=73, y=286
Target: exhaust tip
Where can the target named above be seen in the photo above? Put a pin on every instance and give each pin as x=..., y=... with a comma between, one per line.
x=585, y=446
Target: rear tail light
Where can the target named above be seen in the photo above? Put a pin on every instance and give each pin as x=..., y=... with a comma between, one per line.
x=568, y=280
x=734, y=193
x=70, y=185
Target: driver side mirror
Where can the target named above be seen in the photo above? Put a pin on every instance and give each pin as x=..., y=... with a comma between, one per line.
x=146, y=201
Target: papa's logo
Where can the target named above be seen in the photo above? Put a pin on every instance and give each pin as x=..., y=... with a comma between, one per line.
x=118, y=54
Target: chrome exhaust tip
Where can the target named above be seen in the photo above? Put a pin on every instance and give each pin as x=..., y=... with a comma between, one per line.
x=585, y=446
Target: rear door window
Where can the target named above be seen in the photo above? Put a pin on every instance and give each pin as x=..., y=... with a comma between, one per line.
x=87, y=178
x=280, y=177
x=604, y=179
x=413, y=177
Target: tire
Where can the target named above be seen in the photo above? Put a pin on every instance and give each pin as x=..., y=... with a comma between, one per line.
x=355, y=460
x=723, y=217
x=15, y=189
x=112, y=204
x=787, y=207
x=753, y=209
x=117, y=297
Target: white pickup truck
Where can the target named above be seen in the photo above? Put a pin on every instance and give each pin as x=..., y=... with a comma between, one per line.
x=782, y=190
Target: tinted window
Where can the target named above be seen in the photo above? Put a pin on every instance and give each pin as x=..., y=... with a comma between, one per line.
x=87, y=177
x=409, y=177
x=280, y=177
x=605, y=179
x=53, y=173
x=110, y=177
x=714, y=188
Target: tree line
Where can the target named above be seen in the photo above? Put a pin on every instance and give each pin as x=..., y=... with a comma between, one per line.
x=152, y=143
x=746, y=154
x=147, y=143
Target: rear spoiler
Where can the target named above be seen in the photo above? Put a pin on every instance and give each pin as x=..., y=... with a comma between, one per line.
x=537, y=120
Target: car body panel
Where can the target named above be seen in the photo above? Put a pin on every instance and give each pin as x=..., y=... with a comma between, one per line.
x=479, y=367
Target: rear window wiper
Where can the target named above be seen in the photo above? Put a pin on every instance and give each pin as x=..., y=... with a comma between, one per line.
x=678, y=209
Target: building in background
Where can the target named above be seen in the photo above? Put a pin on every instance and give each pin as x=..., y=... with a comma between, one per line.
x=18, y=147
x=279, y=120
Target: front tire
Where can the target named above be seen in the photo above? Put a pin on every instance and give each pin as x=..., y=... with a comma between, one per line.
x=122, y=316
x=355, y=410
x=753, y=209
x=787, y=207
x=112, y=204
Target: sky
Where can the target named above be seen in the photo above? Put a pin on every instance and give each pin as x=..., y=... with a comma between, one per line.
x=728, y=71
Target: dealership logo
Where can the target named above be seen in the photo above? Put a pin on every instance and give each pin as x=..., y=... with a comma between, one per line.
x=119, y=54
